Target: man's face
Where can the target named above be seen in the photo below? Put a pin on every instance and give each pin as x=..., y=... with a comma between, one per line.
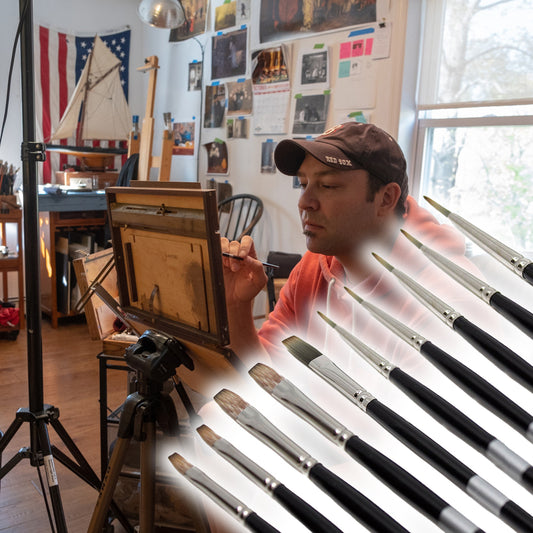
x=337, y=219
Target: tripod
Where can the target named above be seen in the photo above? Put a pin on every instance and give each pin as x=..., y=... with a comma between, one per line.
x=154, y=358
x=38, y=415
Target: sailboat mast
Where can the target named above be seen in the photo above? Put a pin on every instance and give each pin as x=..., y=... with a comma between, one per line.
x=79, y=131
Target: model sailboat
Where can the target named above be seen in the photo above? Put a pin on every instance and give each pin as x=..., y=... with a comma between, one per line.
x=97, y=110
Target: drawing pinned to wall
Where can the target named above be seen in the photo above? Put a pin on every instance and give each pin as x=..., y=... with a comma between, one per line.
x=240, y=97
x=310, y=113
x=228, y=54
x=237, y=128
x=313, y=69
x=183, y=134
x=196, y=19
x=286, y=19
x=270, y=65
x=225, y=15
x=217, y=157
x=195, y=76
x=215, y=104
x=267, y=157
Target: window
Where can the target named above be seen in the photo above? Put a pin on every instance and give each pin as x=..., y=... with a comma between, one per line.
x=475, y=114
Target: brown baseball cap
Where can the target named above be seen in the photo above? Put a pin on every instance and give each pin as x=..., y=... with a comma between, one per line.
x=347, y=146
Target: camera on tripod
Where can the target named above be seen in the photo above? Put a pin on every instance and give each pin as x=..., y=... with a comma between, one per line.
x=157, y=355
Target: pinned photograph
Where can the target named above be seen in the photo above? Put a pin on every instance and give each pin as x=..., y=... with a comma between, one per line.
x=268, y=66
x=243, y=11
x=226, y=15
x=217, y=157
x=310, y=114
x=313, y=69
x=195, y=76
x=195, y=23
x=240, y=97
x=237, y=128
x=228, y=54
x=183, y=135
x=215, y=104
x=267, y=157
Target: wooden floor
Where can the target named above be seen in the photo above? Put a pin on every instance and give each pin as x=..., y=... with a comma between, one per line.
x=70, y=375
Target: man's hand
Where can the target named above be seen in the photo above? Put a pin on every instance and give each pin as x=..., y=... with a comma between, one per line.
x=243, y=279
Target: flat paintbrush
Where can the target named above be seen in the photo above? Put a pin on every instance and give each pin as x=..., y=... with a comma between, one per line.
x=432, y=452
x=350, y=499
x=518, y=315
x=520, y=265
x=305, y=513
x=502, y=356
x=478, y=387
x=398, y=479
x=221, y=496
x=443, y=411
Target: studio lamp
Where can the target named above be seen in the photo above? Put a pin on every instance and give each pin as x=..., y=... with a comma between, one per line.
x=162, y=13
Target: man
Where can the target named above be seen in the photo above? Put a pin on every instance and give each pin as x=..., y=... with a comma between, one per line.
x=353, y=201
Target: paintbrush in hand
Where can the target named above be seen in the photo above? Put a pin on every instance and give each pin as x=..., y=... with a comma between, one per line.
x=443, y=411
x=218, y=494
x=299, y=508
x=394, y=476
x=520, y=265
x=516, y=314
x=497, y=352
x=350, y=499
x=432, y=452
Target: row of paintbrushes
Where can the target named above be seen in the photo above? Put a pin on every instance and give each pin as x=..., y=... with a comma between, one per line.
x=401, y=481
x=7, y=178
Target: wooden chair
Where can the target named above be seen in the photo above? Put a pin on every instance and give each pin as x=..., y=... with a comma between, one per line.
x=238, y=215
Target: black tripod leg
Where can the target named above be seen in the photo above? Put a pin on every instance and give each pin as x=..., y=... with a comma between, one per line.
x=51, y=477
x=108, y=485
x=147, y=505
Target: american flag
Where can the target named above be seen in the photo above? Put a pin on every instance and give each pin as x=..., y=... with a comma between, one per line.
x=59, y=61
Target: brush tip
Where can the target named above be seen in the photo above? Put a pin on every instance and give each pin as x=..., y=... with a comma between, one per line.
x=437, y=206
x=207, y=434
x=304, y=352
x=353, y=295
x=388, y=266
x=265, y=376
x=230, y=402
x=326, y=319
x=179, y=463
x=415, y=241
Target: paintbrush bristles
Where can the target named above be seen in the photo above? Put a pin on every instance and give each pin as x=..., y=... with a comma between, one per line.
x=353, y=295
x=209, y=436
x=179, y=463
x=388, y=266
x=326, y=319
x=416, y=242
x=438, y=207
x=265, y=376
x=230, y=402
x=304, y=352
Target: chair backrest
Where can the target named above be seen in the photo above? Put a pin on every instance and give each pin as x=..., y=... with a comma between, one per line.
x=238, y=215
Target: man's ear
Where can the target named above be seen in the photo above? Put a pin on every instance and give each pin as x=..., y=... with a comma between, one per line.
x=389, y=195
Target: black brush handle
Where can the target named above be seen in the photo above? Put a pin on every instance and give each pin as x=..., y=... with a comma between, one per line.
x=516, y=517
x=481, y=389
x=399, y=480
x=503, y=357
x=527, y=273
x=518, y=315
x=442, y=410
x=255, y=523
x=305, y=513
x=352, y=501
x=421, y=444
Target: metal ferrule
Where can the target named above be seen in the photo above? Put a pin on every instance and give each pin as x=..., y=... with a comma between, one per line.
x=405, y=333
x=381, y=364
x=295, y=400
x=446, y=313
x=254, y=422
x=459, y=274
x=331, y=373
x=218, y=494
x=507, y=256
x=245, y=465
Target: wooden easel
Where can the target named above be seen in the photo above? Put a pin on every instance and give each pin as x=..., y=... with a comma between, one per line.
x=142, y=143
